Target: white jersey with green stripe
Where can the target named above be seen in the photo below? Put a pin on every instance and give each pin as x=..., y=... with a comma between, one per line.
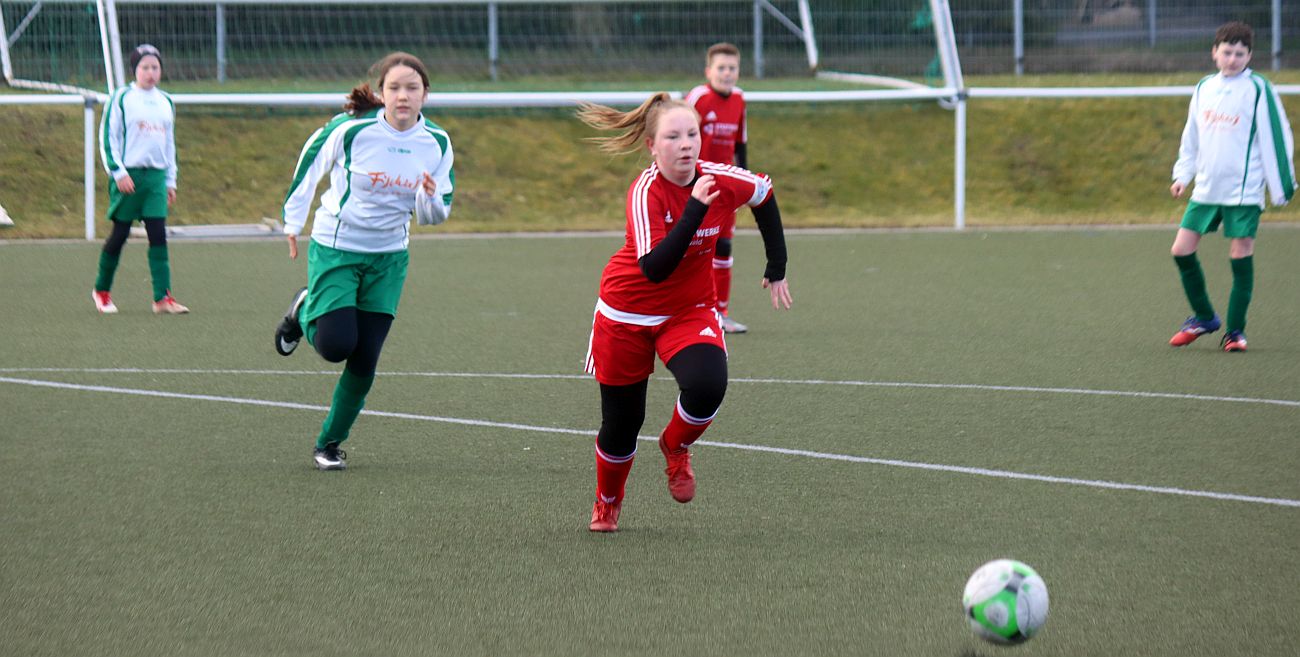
x=138, y=130
x=1236, y=143
x=375, y=172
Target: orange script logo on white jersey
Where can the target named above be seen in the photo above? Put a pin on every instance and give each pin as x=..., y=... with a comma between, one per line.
x=1217, y=120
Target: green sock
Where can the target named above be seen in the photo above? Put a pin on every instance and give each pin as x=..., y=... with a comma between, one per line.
x=107, y=269
x=349, y=398
x=1189, y=268
x=161, y=271
x=1243, y=284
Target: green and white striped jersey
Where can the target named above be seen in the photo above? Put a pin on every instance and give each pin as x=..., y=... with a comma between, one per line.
x=375, y=174
x=138, y=130
x=1237, y=141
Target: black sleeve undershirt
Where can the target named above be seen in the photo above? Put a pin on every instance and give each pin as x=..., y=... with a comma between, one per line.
x=742, y=156
x=768, y=217
x=662, y=260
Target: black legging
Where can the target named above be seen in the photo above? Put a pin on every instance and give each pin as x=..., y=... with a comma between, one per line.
x=701, y=374
x=356, y=336
x=723, y=248
x=154, y=228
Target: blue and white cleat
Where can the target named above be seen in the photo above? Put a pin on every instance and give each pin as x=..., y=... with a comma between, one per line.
x=1234, y=341
x=1194, y=328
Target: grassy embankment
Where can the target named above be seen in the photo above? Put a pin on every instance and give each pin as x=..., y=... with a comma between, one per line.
x=877, y=164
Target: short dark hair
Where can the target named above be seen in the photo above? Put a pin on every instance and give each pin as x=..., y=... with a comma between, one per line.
x=723, y=48
x=144, y=50
x=1234, y=32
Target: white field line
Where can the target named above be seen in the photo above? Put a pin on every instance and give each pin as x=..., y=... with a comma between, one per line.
x=984, y=472
x=808, y=382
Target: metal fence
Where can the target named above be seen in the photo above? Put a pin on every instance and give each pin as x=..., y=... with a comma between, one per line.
x=268, y=43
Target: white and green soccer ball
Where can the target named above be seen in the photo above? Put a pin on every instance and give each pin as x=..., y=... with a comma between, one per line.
x=1005, y=602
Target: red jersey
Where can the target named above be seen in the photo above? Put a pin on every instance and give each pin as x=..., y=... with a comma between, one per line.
x=653, y=205
x=722, y=122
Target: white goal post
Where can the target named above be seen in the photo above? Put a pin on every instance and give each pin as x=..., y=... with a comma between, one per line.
x=104, y=23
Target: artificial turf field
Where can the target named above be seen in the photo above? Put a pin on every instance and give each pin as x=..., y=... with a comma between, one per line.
x=158, y=496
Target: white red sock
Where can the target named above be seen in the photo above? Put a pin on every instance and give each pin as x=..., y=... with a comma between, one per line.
x=722, y=282
x=683, y=429
x=611, y=475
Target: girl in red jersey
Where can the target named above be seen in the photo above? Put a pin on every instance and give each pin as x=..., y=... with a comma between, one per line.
x=657, y=294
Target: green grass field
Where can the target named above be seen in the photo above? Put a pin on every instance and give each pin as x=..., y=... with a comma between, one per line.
x=159, y=499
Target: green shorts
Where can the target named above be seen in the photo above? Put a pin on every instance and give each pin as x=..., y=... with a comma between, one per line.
x=1237, y=220
x=346, y=279
x=149, y=200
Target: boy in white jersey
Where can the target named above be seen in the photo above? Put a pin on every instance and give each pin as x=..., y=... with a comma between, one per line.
x=385, y=161
x=1236, y=143
x=137, y=142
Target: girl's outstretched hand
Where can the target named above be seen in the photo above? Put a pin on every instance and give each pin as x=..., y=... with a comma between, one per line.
x=780, y=293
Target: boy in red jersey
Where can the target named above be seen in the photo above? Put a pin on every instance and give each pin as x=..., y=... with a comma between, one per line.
x=656, y=293
x=721, y=106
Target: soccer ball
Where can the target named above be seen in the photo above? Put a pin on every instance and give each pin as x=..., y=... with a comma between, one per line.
x=1005, y=602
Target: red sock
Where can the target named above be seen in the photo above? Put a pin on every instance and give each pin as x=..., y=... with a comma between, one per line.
x=683, y=430
x=611, y=475
x=722, y=282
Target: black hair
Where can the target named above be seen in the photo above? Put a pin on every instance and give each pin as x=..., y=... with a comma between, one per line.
x=141, y=51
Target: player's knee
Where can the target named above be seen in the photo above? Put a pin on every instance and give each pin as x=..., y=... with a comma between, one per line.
x=622, y=412
x=618, y=438
x=701, y=373
x=156, y=232
x=334, y=348
x=1241, y=248
x=702, y=397
x=723, y=249
x=117, y=238
x=618, y=432
x=332, y=353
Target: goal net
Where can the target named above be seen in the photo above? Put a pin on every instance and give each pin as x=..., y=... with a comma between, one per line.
x=891, y=43
x=53, y=46
x=322, y=45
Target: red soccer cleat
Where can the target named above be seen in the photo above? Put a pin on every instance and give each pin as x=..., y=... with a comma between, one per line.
x=1194, y=328
x=604, y=516
x=103, y=302
x=681, y=479
x=1234, y=341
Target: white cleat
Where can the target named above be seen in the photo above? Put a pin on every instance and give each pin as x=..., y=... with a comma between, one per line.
x=730, y=325
x=103, y=302
x=169, y=306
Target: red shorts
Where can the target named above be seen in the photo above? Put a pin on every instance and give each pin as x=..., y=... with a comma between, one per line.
x=621, y=354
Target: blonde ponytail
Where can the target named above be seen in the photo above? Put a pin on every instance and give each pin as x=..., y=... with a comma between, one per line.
x=637, y=124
